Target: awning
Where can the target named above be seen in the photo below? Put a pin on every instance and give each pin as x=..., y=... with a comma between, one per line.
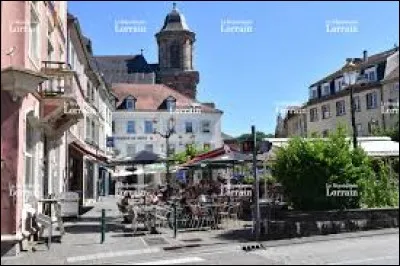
x=76, y=146
x=385, y=148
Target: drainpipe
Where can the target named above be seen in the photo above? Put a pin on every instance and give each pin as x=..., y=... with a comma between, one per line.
x=66, y=171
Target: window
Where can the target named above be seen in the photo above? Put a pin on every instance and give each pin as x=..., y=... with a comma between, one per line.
x=88, y=131
x=171, y=104
x=188, y=127
x=29, y=157
x=148, y=127
x=205, y=127
x=130, y=129
x=130, y=103
x=326, y=112
x=373, y=126
x=148, y=147
x=175, y=55
x=372, y=100
x=172, y=148
x=313, y=114
x=130, y=150
x=359, y=129
x=34, y=37
x=370, y=74
x=94, y=139
x=339, y=84
x=357, y=105
x=326, y=89
x=325, y=133
x=340, y=108
x=313, y=93
x=113, y=126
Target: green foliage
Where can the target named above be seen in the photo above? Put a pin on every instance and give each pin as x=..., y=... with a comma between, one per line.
x=259, y=136
x=305, y=167
x=393, y=133
x=381, y=188
x=189, y=153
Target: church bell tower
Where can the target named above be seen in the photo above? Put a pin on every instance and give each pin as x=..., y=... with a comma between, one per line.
x=175, y=54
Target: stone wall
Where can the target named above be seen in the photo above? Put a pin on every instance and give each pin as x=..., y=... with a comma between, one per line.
x=287, y=224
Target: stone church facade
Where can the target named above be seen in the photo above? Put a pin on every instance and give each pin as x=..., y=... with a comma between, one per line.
x=175, y=68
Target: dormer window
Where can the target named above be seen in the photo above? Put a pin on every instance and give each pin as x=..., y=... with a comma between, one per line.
x=370, y=74
x=326, y=89
x=171, y=104
x=339, y=82
x=130, y=103
x=314, y=92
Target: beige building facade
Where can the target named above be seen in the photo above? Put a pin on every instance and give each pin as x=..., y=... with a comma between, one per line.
x=375, y=85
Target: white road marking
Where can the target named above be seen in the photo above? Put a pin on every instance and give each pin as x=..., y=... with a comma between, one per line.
x=113, y=254
x=171, y=261
x=144, y=241
x=360, y=261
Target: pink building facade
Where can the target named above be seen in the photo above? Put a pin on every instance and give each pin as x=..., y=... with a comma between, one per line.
x=55, y=114
x=32, y=32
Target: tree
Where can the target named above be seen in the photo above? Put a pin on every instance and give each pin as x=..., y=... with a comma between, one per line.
x=189, y=153
x=393, y=133
x=259, y=136
x=304, y=168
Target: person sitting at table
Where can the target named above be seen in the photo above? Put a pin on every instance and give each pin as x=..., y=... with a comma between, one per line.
x=154, y=198
x=203, y=198
x=123, y=204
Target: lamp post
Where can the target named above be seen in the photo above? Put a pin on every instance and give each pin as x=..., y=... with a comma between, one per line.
x=169, y=132
x=350, y=71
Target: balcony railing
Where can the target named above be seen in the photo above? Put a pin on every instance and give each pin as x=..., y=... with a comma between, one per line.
x=60, y=79
x=56, y=68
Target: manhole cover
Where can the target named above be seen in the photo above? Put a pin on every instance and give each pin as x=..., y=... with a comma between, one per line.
x=155, y=241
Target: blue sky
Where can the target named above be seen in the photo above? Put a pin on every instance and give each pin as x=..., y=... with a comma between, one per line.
x=249, y=75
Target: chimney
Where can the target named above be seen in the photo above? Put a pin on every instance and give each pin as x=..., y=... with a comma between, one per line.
x=365, y=55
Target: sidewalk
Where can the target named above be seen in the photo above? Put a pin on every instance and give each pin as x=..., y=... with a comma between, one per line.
x=82, y=237
x=81, y=242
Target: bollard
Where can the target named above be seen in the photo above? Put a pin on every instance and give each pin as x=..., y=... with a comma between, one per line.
x=175, y=221
x=103, y=225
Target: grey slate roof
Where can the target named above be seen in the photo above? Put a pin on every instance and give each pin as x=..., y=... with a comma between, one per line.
x=372, y=60
x=127, y=69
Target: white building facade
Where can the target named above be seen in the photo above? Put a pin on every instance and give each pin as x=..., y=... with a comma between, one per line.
x=144, y=110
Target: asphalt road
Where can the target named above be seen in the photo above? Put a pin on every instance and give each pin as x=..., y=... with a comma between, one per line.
x=379, y=247
x=371, y=250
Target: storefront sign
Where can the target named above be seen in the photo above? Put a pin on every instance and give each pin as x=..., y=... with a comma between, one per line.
x=135, y=138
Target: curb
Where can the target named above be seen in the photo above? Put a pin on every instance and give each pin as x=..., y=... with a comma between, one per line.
x=319, y=238
x=195, y=245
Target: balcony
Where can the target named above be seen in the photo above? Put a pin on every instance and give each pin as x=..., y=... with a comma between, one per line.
x=20, y=81
x=56, y=68
x=60, y=109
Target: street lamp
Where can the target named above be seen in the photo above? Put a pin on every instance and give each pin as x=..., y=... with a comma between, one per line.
x=169, y=132
x=350, y=73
